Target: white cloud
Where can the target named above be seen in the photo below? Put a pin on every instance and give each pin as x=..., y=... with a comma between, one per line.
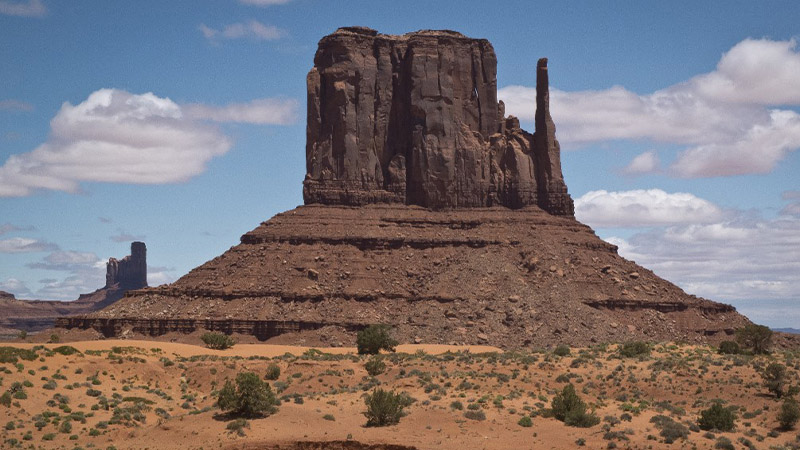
x=757, y=71
x=252, y=29
x=158, y=278
x=793, y=208
x=31, y=8
x=25, y=245
x=15, y=105
x=740, y=259
x=69, y=261
x=16, y=287
x=643, y=208
x=114, y=137
x=8, y=228
x=124, y=236
x=758, y=150
x=646, y=162
x=264, y=2
x=721, y=116
x=263, y=111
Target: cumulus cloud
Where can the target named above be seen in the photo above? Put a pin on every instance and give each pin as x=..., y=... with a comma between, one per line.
x=124, y=236
x=263, y=111
x=16, y=287
x=85, y=273
x=31, y=8
x=25, y=245
x=69, y=261
x=15, y=105
x=646, y=162
x=722, y=117
x=739, y=259
x=115, y=137
x=644, y=208
x=252, y=29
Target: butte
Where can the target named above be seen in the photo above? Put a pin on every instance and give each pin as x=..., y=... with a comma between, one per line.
x=428, y=209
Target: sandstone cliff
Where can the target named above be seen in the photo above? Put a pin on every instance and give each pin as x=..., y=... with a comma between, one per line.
x=414, y=119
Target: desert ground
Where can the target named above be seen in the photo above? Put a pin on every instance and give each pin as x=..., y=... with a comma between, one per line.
x=127, y=394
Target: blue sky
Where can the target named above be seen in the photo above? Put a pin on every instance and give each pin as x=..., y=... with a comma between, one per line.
x=182, y=124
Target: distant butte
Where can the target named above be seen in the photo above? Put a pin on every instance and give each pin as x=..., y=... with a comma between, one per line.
x=428, y=209
x=35, y=315
x=414, y=119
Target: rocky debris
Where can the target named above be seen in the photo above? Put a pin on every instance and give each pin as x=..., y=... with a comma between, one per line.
x=458, y=276
x=415, y=119
x=129, y=272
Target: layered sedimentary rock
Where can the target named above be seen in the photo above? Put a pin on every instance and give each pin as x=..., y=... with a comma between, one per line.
x=414, y=119
x=122, y=275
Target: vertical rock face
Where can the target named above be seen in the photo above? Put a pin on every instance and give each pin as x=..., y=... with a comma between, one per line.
x=129, y=272
x=414, y=119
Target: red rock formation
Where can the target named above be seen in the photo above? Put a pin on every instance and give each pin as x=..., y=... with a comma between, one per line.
x=129, y=272
x=415, y=119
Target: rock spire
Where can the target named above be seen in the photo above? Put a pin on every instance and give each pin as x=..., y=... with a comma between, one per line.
x=129, y=272
x=415, y=119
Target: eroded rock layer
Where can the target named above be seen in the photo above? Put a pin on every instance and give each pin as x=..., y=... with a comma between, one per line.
x=122, y=275
x=414, y=119
x=510, y=278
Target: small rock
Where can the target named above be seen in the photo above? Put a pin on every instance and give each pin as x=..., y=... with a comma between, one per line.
x=514, y=298
x=483, y=337
x=634, y=275
x=613, y=324
x=605, y=268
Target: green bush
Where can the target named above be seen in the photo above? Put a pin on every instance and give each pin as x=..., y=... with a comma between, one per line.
x=54, y=339
x=775, y=378
x=218, y=341
x=273, y=372
x=237, y=426
x=670, y=430
x=12, y=354
x=561, y=350
x=633, y=349
x=789, y=414
x=570, y=409
x=729, y=348
x=757, y=338
x=250, y=397
x=373, y=339
x=384, y=408
x=717, y=417
x=478, y=415
x=456, y=405
x=525, y=421
x=66, y=350
x=375, y=366
x=5, y=399
x=724, y=443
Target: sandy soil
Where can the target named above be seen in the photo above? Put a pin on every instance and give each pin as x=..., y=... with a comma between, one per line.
x=322, y=397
